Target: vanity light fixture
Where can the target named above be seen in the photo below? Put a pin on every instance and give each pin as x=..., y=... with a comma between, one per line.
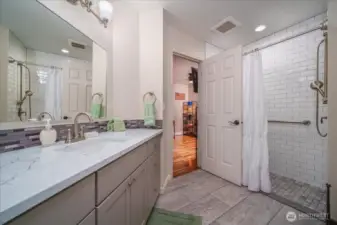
x=66, y=51
x=105, y=9
x=260, y=28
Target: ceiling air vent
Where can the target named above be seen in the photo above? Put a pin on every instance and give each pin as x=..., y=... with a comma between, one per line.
x=226, y=25
x=76, y=44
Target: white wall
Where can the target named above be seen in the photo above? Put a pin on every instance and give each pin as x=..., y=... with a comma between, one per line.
x=4, y=45
x=332, y=95
x=295, y=151
x=181, y=69
x=99, y=76
x=151, y=56
x=178, y=107
x=211, y=50
x=126, y=81
x=192, y=96
x=17, y=51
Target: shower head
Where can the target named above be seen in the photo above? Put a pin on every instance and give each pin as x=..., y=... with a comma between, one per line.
x=11, y=60
x=317, y=86
x=29, y=93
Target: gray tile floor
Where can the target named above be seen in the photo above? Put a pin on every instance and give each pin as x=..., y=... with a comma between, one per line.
x=222, y=203
x=309, y=198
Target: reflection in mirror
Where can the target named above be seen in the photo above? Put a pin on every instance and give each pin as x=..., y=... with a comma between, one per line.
x=48, y=65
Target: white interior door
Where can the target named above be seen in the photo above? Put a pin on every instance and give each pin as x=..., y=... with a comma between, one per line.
x=77, y=89
x=220, y=131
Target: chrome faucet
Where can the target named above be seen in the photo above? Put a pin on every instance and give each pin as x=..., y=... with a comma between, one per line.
x=80, y=136
x=41, y=116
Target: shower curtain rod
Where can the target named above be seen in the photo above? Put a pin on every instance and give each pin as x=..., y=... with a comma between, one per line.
x=33, y=64
x=41, y=65
x=283, y=40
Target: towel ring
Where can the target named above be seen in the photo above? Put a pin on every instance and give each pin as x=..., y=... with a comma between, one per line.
x=151, y=94
x=99, y=94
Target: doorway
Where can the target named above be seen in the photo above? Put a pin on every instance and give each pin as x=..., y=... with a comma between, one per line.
x=185, y=120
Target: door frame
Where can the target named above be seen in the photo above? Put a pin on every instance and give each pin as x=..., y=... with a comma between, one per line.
x=198, y=61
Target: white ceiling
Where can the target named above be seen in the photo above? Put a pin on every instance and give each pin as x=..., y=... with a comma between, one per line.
x=40, y=29
x=197, y=17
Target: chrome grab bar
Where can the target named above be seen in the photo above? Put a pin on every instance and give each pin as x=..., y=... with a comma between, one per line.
x=304, y=122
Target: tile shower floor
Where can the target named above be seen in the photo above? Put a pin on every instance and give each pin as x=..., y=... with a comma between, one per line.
x=219, y=202
x=298, y=194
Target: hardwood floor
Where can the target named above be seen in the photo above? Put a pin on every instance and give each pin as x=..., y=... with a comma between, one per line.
x=184, y=155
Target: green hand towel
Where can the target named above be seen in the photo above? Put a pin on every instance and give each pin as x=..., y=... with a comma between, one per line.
x=116, y=125
x=149, y=114
x=96, y=110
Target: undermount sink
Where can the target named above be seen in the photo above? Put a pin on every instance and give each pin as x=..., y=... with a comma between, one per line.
x=114, y=137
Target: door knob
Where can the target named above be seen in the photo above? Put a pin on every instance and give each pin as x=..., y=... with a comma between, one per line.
x=234, y=123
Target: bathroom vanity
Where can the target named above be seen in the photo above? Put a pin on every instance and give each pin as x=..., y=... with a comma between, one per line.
x=103, y=181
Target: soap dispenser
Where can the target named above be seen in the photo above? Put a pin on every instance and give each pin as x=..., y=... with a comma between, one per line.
x=48, y=135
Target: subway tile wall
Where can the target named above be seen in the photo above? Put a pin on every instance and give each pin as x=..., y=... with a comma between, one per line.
x=11, y=140
x=295, y=151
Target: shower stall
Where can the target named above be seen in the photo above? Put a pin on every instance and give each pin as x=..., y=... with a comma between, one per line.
x=36, y=88
x=295, y=77
x=27, y=93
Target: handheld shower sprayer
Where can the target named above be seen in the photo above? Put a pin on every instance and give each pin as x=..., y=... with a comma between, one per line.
x=28, y=93
x=317, y=86
x=321, y=87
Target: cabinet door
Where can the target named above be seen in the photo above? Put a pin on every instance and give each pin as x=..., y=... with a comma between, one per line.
x=115, y=208
x=109, y=177
x=90, y=219
x=138, y=196
x=69, y=207
x=151, y=182
x=156, y=178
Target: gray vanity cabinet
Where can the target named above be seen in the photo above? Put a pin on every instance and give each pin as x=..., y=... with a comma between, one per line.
x=138, y=196
x=67, y=208
x=122, y=193
x=115, y=208
x=132, y=201
x=109, y=177
x=127, y=204
x=90, y=219
x=153, y=179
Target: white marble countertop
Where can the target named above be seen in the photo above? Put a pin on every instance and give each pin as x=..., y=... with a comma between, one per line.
x=32, y=175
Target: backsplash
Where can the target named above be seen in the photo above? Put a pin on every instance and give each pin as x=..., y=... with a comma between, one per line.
x=16, y=139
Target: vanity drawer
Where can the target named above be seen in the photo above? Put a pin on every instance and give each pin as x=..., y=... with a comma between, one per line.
x=69, y=207
x=111, y=176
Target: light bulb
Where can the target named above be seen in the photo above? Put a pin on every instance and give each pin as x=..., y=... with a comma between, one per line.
x=260, y=28
x=66, y=51
x=105, y=10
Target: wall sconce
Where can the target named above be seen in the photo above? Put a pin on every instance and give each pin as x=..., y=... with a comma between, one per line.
x=104, y=8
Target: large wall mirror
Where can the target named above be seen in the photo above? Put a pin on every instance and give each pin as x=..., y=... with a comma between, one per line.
x=47, y=67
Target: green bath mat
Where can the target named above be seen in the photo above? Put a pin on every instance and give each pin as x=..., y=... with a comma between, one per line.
x=163, y=217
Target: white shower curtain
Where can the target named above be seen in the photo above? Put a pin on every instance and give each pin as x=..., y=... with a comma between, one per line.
x=255, y=126
x=53, y=96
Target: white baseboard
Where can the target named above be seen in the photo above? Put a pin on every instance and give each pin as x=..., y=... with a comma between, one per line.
x=178, y=133
x=163, y=187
